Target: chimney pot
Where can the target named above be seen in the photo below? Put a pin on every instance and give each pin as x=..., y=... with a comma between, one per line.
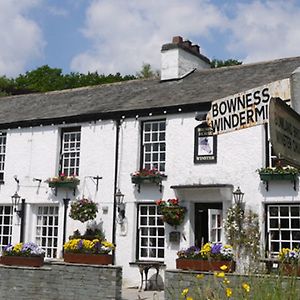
x=196, y=48
x=177, y=40
x=187, y=44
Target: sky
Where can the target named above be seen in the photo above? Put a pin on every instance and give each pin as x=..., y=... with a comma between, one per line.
x=111, y=36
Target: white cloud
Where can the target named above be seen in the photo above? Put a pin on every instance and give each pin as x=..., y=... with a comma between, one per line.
x=124, y=34
x=264, y=30
x=21, y=38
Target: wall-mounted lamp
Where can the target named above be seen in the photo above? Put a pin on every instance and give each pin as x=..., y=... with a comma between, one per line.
x=119, y=197
x=238, y=196
x=15, y=199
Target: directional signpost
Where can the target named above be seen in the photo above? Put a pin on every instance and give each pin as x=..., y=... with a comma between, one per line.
x=284, y=125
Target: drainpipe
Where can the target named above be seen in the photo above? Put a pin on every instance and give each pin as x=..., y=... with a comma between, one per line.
x=22, y=215
x=118, y=123
x=66, y=205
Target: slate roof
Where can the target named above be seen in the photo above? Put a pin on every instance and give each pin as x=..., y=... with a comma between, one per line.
x=140, y=96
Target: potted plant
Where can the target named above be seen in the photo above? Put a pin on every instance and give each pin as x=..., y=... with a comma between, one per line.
x=290, y=261
x=210, y=257
x=23, y=254
x=88, y=251
x=172, y=213
x=83, y=210
x=63, y=181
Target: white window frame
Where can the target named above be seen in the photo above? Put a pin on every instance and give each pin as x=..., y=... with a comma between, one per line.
x=6, y=221
x=70, y=151
x=151, y=233
x=154, y=145
x=2, y=154
x=283, y=229
x=215, y=222
x=46, y=234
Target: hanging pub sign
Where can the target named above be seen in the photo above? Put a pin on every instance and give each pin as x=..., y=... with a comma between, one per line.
x=246, y=109
x=284, y=127
x=205, y=147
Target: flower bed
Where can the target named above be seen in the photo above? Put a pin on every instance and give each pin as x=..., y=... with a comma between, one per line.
x=83, y=210
x=23, y=254
x=172, y=212
x=211, y=257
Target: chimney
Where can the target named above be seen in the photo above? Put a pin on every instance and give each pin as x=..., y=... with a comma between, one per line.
x=180, y=57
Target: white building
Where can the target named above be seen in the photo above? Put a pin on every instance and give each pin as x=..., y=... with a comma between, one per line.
x=113, y=130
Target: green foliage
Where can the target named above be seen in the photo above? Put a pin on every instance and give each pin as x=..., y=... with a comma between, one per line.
x=219, y=63
x=45, y=79
x=242, y=232
x=146, y=72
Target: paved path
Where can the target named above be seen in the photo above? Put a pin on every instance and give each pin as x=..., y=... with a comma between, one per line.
x=134, y=294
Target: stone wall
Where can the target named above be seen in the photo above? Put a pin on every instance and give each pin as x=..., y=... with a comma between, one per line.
x=61, y=281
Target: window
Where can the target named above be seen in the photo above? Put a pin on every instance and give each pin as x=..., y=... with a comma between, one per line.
x=151, y=233
x=2, y=154
x=6, y=215
x=283, y=227
x=154, y=145
x=47, y=229
x=70, y=151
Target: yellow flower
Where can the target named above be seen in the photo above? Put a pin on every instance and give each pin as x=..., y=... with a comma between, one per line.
x=220, y=274
x=226, y=281
x=224, y=268
x=200, y=276
x=184, y=292
x=228, y=292
x=18, y=247
x=246, y=287
x=189, y=298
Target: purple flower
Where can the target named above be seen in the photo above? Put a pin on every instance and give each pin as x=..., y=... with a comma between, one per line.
x=216, y=248
x=80, y=245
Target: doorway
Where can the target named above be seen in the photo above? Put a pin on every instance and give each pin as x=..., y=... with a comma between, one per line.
x=208, y=223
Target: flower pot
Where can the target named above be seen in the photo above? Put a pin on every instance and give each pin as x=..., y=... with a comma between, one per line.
x=204, y=265
x=29, y=261
x=90, y=259
x=290, y=269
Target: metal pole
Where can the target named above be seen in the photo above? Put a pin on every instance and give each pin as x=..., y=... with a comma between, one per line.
x=22, y=216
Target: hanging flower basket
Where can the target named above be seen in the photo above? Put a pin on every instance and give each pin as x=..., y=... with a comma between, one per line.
x=172, y=213
x=83, y=210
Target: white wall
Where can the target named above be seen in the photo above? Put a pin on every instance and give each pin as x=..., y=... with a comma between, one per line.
x=33, y=152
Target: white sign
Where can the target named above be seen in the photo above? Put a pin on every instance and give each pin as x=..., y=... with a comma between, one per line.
x=246, y=109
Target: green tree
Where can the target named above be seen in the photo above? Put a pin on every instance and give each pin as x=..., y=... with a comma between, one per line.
x=146, y=72
x=219, y=63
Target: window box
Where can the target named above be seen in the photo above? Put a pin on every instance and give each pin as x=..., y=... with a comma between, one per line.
x=26, y=261
x=62, y=181
x=204, y=265
x=145, y=176
x=278, y=173
x=90, y=259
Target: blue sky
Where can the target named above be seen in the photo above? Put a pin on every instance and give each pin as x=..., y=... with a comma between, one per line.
x=119, y=36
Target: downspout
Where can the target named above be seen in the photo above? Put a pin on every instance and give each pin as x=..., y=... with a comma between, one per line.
x=118, y=123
